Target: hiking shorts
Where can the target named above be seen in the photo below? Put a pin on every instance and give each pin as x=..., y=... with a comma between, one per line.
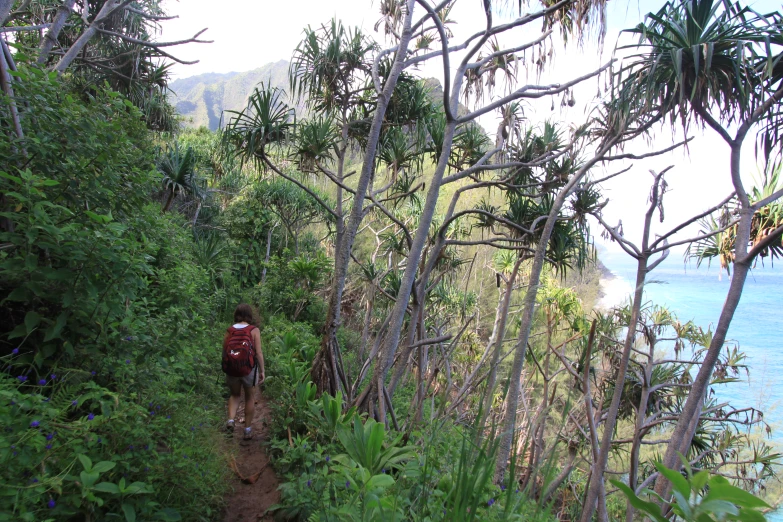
x=248, y=381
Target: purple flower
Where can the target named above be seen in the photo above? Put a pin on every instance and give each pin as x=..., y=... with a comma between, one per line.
x=146, y=446
x=48, y=446
x=327, y=458
x=502, y=487
x=99, y=440
x=309, y=483
x=490, y=501
x=15, y=351
x=157, y=407
x=184, y=456
x=130, y=447
x=51, y=503
x=74, y=403
x=192, y=428
x=129, y=338
x=168, y=416
x=50, y=436
x=34, y=424
x=42, y=382
x=92, y=372
x=347, y=484
x=90, y=416
x=152, y=412
x=22, y=378
x=127, y=361
x=35, y=480
x=53, y=376
x=383, y=471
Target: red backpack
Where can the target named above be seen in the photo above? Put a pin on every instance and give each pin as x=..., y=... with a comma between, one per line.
x=239, y=356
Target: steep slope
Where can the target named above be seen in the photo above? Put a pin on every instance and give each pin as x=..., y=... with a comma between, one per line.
x=201, y=99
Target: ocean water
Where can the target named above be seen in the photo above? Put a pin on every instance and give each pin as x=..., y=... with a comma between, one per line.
x=698, y=295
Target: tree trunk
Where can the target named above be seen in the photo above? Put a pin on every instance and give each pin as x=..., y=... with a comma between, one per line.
x=688, y=421
x=268, y=251
x=6, y=82
x=389, y=348
x=529, y=303
x=597, y=475
x=596, y=484
x=5, y=10
x=50, y=40
x=641, y=415
x=70, y=55
x=168, y=202
x=500, y=337
x=324, y=372
x=409, y=341
x=367, y=321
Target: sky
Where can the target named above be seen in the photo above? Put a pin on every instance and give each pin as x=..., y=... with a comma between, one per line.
x=250, y=33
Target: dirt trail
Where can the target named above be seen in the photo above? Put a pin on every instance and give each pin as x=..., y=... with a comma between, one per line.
x=249, y=502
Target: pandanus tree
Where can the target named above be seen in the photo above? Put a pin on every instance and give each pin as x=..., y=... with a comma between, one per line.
x=714, y=64
x=348, y=86
x=179, y=173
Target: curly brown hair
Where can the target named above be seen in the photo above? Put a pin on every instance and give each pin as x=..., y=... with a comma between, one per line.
x=245, y=313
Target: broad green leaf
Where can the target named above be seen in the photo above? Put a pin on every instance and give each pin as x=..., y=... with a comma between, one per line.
x=54, y=330
x=86, y=462
x=31, y=321
x=679, y=482
x=89, y=478
x=380, y=482
x=720, y=489
x=650, y=508
x=104, y=466
x=107, y=487
x=130, y=512
x=168, y=515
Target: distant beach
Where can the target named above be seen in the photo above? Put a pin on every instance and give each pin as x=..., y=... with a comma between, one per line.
x=615, y=289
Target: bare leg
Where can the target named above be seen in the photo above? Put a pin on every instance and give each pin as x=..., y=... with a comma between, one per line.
x=250, y=405
x=233, y=400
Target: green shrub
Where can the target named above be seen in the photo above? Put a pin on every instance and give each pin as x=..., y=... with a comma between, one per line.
x=109, y=356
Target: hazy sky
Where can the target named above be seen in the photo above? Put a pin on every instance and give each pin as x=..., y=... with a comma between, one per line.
x=250, y=33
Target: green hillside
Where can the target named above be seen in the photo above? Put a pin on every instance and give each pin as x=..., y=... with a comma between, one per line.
x=201, y=99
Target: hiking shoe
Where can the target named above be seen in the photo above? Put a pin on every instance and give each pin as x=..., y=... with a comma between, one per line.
x=230, y=425
x=248, y=434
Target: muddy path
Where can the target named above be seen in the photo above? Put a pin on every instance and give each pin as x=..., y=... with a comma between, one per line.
x=253, y=482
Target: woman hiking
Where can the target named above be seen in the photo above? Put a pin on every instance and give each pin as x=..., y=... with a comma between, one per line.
x=243, y=364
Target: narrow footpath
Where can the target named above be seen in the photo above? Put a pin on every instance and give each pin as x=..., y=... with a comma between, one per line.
x=254, y=482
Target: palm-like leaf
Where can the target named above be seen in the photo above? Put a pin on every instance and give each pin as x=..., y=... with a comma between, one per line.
x=315, y=141
x=701, y=53
x=267, y=121
x=179, y=172
x=719, y=242
x=326, y=64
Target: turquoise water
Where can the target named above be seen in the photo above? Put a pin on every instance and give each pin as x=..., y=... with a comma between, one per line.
x=698, y=295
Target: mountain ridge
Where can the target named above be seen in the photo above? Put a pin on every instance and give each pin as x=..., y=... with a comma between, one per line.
x=201, y=99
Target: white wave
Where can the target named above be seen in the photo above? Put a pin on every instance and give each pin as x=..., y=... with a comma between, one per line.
x=615, y=290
